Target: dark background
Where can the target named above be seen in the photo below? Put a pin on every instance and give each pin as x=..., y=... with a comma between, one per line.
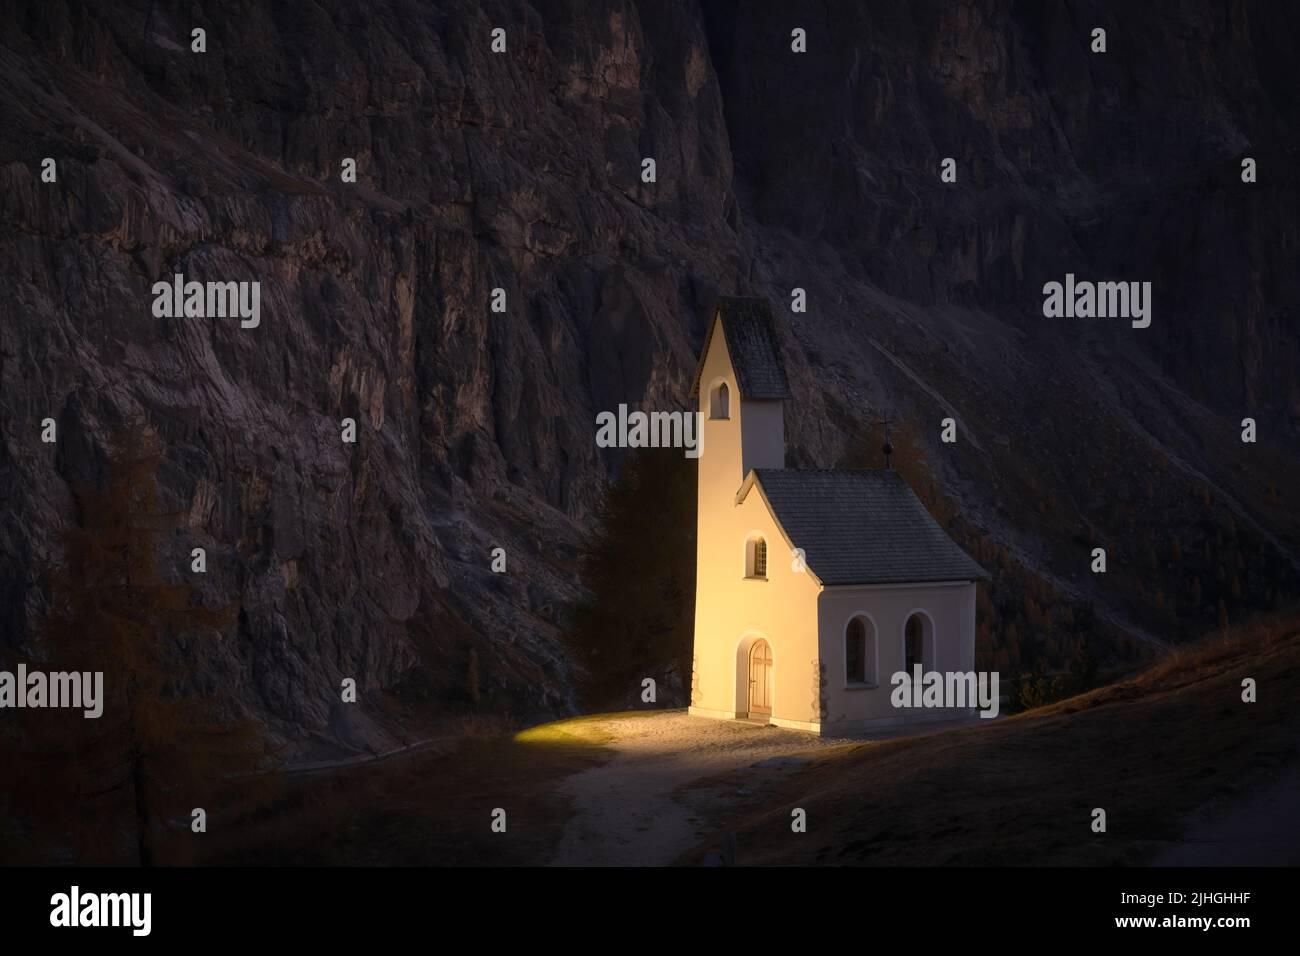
x=522, y=171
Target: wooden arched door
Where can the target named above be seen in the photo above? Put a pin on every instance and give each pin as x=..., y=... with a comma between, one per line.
x=760, y=679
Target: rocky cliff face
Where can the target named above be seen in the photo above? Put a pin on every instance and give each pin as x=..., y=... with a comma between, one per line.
x=522, y=171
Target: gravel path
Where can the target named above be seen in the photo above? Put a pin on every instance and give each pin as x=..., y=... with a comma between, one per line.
x=626, y=811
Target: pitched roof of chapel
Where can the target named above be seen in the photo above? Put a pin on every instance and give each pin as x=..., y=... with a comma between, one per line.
x=860, y=527
x=750, y=333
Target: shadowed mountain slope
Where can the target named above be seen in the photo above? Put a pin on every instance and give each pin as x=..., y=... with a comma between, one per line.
x=521, y=171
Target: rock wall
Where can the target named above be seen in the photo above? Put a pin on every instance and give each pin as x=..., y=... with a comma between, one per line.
x=521, y=171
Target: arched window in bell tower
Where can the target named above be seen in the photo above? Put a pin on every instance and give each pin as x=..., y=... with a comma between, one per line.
x=720, y=401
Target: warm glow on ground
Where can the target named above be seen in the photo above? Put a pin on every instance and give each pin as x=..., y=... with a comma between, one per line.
x=666, y=732
x=585, y=731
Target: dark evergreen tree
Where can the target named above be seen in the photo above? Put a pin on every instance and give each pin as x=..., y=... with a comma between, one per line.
x=101, y=790
x=639, y=572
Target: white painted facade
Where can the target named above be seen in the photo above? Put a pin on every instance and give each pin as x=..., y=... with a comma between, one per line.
x=803, y=622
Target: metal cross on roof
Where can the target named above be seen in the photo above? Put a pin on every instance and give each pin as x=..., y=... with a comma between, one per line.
x=888, y=447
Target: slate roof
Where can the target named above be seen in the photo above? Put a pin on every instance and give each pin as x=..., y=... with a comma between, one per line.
x=861, y=527
x=750, y=333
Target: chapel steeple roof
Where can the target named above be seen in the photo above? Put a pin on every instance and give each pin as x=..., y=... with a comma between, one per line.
x=750, y=333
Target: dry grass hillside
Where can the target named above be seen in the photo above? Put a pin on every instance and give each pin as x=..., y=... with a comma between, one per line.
x=1150, y=750
x=1163, y=752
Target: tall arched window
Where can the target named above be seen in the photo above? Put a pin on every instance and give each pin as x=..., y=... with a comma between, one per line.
x=860, y=652
x=915, y=643
x=720, y=402
x=756, y=558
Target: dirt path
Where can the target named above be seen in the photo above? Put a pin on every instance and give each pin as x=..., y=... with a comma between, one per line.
x=626, y=811
x=632, y=811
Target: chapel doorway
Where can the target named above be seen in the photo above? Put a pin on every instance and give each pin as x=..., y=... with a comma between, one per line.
x=760, y=679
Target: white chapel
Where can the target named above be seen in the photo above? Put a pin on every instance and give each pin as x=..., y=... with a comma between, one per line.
x=812, y=587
